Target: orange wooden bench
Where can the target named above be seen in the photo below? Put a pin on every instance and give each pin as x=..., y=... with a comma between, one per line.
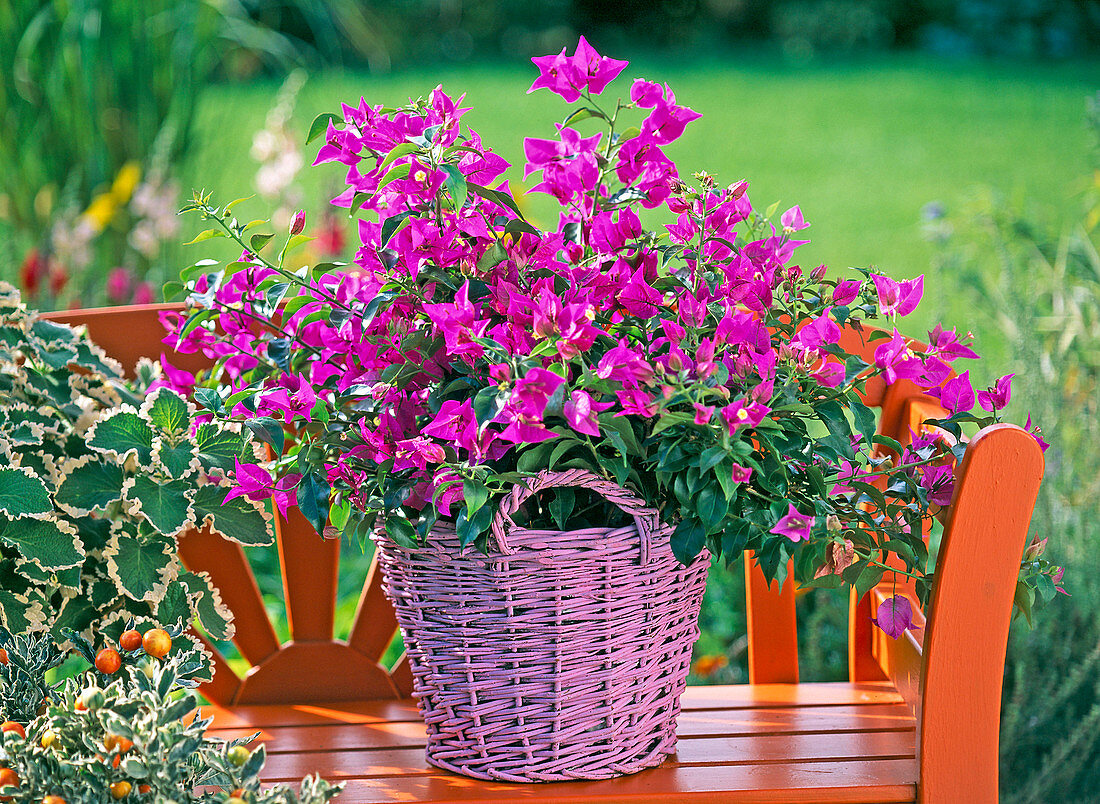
x=918, y=720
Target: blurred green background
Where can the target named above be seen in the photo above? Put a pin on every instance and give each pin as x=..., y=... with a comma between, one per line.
x=953, y=139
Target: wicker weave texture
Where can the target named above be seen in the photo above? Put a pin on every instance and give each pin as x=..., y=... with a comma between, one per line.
x=557, y=656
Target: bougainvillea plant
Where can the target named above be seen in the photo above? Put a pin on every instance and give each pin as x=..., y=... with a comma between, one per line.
x=468, y=348
x=100, y=476
x=134, y=734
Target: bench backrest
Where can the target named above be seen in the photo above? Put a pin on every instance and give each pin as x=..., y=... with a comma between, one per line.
x=951, y=677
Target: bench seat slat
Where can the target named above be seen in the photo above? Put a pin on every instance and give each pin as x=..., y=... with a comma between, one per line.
x=744, y=743
x=377, y=762
x=886, y=781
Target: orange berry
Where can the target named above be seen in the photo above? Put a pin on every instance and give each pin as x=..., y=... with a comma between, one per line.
x=156, y=642
x=121, y=790
x=48, y=738
x=107, y=661
x=8, y=778
x=130, y=640
x=3, y=656
x=238, y=793
x=80, y=706
x=144, y=788
x=53, y=800
x=12, y=726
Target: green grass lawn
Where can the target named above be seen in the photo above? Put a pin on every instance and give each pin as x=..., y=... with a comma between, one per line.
x=861, y=146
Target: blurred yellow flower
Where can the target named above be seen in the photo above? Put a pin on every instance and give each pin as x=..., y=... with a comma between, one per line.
x=104, y=206
x=127, y=179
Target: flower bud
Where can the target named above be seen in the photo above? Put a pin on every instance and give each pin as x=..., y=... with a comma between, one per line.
x=832, y=523
x=298, y=225
x=818, y=273
x=737, y=190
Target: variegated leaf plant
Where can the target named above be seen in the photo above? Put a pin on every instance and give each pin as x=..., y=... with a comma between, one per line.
x=99, y=476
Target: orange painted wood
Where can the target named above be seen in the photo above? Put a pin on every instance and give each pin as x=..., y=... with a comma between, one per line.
x=231, y=574
x=964, y=649
x=768, y=742
x=856, y=782
x=304, y=672
x=838, y=719
x=773, y=631
x=862, y=665
x=310, y=567
x=900, y=659
x=402, y=676
x=375, y=621
x=223, y=688
x=699, y=751
x=130, y=333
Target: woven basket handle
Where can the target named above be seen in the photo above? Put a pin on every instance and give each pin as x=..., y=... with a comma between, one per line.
x=645, y=517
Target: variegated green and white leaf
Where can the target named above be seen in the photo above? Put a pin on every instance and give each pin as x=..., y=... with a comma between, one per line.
x=23, y=494
x=91, y=356
x=96, y=387
x=141, y=566
x=89, y=483
x=175, y=605
x=52, y=544
x=77, y=612
x=21, y=613
x=121, y=434
x=168, y=412
x=177, y=460
x=166, y=504
x=218, y=448
x=241, y=520
x=215, y=616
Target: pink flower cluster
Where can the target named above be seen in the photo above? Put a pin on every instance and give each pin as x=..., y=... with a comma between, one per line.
x=465, y=336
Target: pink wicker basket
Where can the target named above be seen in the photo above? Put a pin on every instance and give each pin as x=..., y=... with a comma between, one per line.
x=557, y=656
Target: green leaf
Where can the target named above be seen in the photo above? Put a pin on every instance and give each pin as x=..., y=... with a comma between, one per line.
x=178, y=459
x=268, y=431
x=401, y=530
x=711, y=507
x=864, y=419
x=582, y=114
x=339, y=514
x=561, y=505
x=217, y=447
x=475, y=494
x=259, y=240
x=488, y=402
x=20, y=613
x=320, y=125
x=49, y=543
x=392, y=175
x=296, y=242
x=89, y=485
x=1024, y=598
x=122, y=434
x=494, y=255
x=23, y=494
x=868, y=579
x=518, y=227
x=469, y=529
x=392, y=224
x=165, y=504
x=456, y=185
x=239, y=519
x=886, y=441
x=398, y=151
x=313, y=500
x=496, y=196
x=141, y=566
x=687, y=540
x=168, y=412
x=205, y=235
x=671, y=419
x=216, y=619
